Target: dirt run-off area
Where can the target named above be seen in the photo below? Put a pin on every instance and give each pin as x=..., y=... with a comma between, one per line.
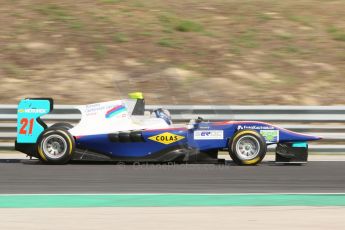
x=175, y=52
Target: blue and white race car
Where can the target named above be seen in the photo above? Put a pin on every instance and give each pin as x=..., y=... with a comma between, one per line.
x=122, y=131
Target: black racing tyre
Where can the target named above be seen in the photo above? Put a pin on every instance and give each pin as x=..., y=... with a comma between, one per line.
x=247, y=147
x=63, y=125
x=55, y=146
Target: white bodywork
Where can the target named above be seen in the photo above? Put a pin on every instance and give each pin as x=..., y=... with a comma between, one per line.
x=94, y=118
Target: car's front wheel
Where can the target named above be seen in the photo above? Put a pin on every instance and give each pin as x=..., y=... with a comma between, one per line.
x=247, y=147
x=56, y=146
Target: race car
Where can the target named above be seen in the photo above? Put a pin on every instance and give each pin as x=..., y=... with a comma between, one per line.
x=123, y=131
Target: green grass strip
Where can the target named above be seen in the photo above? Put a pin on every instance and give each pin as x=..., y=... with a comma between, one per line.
x=169, y=200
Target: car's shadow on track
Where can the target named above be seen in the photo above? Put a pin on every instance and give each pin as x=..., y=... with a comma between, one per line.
x=11, y=160
x=75, y=162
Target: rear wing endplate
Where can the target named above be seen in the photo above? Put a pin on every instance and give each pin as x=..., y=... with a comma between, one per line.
x=29, y=124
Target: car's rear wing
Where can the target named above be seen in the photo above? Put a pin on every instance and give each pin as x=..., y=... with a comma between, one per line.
x=29, y=124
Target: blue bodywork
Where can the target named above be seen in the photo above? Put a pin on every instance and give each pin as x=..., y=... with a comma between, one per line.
x=204, y=141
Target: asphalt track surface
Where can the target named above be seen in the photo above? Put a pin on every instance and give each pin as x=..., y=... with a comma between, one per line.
x=26, y=177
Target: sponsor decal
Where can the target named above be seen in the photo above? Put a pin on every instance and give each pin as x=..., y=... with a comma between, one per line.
x=271, y=136
x=92, y=109
x=208, y=135
x=115, y=111
x=166, y=138
x=32, y=111
x=265, y=127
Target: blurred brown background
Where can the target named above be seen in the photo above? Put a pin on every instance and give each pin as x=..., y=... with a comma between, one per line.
x=176, y=52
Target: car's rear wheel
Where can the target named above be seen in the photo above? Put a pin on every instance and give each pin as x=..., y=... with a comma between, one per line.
x=56, y=146
x=63, y=125
x=247, y=147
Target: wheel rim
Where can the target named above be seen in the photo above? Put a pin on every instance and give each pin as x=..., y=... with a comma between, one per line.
x=54, y=146
x=247, y=147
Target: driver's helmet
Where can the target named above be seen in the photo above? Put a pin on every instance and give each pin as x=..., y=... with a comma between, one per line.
x=164, y=114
